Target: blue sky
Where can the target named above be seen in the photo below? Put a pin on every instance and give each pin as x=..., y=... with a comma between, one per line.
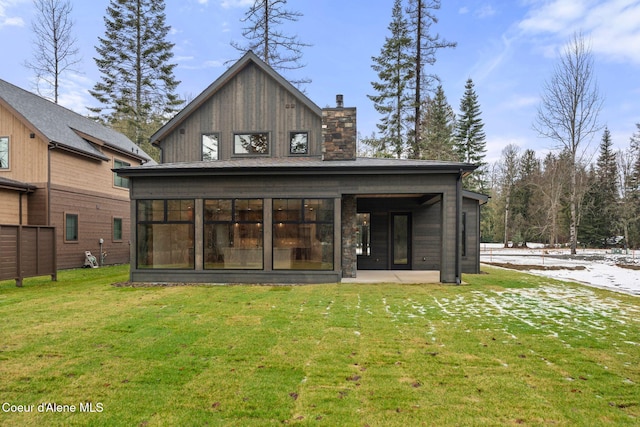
x=508, y=48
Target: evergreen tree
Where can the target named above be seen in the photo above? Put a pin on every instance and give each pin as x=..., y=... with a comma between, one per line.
x=137, y=86
x=525, y=200
x=395, y=72
x=282, y=52
x=438, y=124
x=470, y=139
x=425, y=44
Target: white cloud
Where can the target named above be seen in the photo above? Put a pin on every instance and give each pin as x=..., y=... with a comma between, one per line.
x=485, y=11
x=613, y=26
x=6, y=20
x=74, y=94
x=229, y=4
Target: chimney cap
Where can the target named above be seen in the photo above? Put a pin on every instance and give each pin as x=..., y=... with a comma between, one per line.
x=339, y=101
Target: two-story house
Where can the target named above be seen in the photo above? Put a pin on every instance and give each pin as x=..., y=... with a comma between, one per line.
x=56, y=169
x=258, y=184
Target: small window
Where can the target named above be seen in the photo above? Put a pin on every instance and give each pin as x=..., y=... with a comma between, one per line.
x=209, y=147
x=251, y=143
x=298, y=142
x=4, y=152
x=71, y=227
x=120, y=181
x=117, y=229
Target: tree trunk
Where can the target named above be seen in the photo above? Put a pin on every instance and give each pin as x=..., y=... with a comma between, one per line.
x=506, y=221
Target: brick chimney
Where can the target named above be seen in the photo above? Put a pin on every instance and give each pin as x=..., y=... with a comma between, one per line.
x=339, y=132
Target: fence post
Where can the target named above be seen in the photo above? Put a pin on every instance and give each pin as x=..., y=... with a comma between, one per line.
x=19, y=258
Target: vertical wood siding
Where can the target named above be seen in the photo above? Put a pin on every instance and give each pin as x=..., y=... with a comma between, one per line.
x=251, y=102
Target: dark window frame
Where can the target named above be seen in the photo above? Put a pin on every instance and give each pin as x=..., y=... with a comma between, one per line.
x=76, y=237
x=202, y=145
x=234, y=221
x=7, y=151
x=120, y=181
x=302, y=220
x=114, y=229
x=249, y=153
x=292, y=135
x=166, y=220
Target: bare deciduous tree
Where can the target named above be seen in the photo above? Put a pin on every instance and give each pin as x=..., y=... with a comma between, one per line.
x=55, y=50
x=569, y=112
x=281, y=51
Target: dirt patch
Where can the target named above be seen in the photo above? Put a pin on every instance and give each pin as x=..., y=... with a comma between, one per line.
x=629, y=266
x=534, y=267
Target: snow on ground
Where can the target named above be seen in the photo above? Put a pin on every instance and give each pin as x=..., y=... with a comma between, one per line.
x=599, y=268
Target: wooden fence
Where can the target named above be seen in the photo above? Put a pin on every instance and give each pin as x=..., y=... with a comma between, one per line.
x=27, y=251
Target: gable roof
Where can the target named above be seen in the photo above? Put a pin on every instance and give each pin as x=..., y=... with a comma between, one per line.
x=64, y=128
x=248, y=58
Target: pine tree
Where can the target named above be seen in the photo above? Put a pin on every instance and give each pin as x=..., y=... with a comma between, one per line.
x=424, y=45
x=438, y=124
x=395, y=73
x=281, y=51
x=470, y=139
x=137, y=86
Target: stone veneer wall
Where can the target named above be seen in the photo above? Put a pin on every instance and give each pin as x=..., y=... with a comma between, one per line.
x=349, y=233
x=339, y=133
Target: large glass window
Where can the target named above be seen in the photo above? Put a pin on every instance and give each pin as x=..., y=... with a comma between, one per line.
x=251, y=143
x=118, y=180
x=71, y=227
x=209, y=147
x=303, y=234
x=165, y=234
x=233, y=234
x=4, y=152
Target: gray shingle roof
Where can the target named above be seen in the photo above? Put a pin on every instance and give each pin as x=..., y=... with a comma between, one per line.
x=57, y=124
x=258, y=165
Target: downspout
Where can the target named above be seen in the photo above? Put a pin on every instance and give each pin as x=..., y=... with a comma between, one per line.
x=52, y=145
x=458, y=220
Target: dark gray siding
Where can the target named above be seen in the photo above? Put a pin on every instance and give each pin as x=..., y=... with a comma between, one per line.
x=251, y=102
x=471, y=259
x=434, y=241
x=426, y=239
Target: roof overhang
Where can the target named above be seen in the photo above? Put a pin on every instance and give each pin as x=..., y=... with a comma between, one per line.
x=10, y=184
x=300, y=168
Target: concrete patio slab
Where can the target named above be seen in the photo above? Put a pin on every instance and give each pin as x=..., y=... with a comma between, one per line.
x=394, y=276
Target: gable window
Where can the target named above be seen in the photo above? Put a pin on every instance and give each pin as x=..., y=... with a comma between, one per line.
x=4, y=152
x=299, y=143
x=251, y=143
x=70, y=227
x=210, y=147
x=233, y=237
x=117, y=229
x=303, y=234
x=165, y=230
x=120, y=181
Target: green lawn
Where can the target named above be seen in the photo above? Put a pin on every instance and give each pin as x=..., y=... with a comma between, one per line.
x=505, y=349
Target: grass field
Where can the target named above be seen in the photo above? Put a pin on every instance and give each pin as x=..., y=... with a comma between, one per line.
x=504, y=349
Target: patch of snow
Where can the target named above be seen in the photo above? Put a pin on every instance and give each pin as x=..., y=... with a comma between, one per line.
x=598, y=268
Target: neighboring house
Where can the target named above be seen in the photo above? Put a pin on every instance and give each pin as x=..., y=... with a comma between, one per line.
x=258, y=184
x=56, y=169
